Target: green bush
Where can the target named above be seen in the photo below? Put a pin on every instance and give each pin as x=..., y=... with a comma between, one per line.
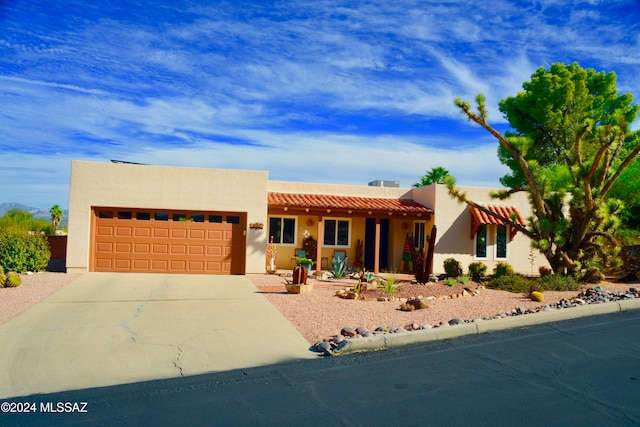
x=557, y=282
x=477, y=270
x=452, y=267
x=502, y=269
x=463, y=279
x=511, y=283
x=21, y=251
x=450, y=281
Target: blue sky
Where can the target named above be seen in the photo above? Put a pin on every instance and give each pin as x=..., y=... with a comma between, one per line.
x=317, y=91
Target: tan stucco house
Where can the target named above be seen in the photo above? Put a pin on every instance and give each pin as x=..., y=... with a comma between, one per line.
x=144, y=218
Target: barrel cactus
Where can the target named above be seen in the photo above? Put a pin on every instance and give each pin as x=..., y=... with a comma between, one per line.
x=3, y=277
x=537, y=296
x=12, y=280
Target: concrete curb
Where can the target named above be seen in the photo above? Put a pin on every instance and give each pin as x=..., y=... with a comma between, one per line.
x=384, y=341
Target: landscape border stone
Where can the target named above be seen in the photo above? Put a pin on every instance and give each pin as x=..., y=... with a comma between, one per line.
x=384, y=341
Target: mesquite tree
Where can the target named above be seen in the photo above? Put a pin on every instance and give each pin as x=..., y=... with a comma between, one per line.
x=571, y=141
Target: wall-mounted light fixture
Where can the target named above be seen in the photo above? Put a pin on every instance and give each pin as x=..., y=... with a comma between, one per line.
x=256, y=225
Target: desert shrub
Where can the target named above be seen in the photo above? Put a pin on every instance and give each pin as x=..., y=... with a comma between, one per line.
x=388, y=285
x=502, y=269
x=511, y=283
x=12, y=280
x=463, y=279
x=557, y=282
x=545, y=271
x=21, y=251
x=452, y=267
x=450, y=281
x=477, y=270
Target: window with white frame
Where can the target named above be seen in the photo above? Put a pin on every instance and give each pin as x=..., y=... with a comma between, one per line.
x=282, y=230
x=419, y=234
x=502, y=238
x=337, y=232
x=481, y=242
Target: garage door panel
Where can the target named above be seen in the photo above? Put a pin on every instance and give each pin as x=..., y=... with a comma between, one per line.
x=179, y=233
x=153, y=241
x=197, y=234
x=161, y=233
x=196, y=249
x=126, y=231
x=122, y=248
x=104, y=231
x=142, y=232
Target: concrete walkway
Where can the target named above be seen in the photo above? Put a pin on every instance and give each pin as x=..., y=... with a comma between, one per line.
x=112, y=328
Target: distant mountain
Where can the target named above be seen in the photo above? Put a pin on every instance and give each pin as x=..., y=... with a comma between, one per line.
x=38, y=213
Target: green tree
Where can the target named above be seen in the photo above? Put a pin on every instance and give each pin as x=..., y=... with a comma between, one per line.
x=23, y=220
x=56, y=216
x=571, y=143
x=436, y=175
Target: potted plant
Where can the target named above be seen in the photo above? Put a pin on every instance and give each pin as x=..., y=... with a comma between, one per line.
x=305, y=262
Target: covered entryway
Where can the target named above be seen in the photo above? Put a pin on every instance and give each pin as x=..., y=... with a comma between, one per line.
x=167, y=241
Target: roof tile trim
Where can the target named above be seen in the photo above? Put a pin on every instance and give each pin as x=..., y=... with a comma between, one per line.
x=479, y=217
x=321, y=201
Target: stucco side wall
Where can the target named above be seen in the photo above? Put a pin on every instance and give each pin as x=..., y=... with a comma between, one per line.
x=453, y=222
x=146, y=186
x=338, y=190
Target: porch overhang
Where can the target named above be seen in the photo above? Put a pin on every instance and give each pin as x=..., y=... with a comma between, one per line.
x=328, y=205
x=481, y=215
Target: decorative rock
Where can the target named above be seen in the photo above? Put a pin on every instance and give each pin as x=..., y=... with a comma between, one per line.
x=456, y=321
x=348, y=331
x=324, y=348
x=361, y=330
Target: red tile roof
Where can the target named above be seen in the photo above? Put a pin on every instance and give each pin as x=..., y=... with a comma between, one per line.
x=321, y=201
x=505, y=211
x=478, y=217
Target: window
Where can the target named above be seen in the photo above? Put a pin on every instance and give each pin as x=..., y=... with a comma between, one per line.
x=215, y=218
x=233, y=219
x=282, y=230
x=481, y=242
x=419, y=234
x=501, y=242
x=197, y=217
x=161, y=216
x=336, y=232
x=124, y=215
x=143, y=216
x=180, y=217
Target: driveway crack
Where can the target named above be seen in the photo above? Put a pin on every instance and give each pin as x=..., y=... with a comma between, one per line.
x=176, y=361
x=125, y=325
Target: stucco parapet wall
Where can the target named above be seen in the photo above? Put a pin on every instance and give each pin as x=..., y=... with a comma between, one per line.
x=338, y=189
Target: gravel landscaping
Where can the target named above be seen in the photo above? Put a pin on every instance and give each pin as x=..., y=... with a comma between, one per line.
x=321, y=314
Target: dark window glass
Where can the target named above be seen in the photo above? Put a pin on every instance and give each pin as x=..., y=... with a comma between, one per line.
x=330, y=232
x=124, y=215
x=343, y=233
x=288, y=230
x=180, y=217
x=161, y=216
x=105, y=214
x=233, y=219
x=501, y=241
x=215, y=218
x=275, y=229
x=481, y=241
x=419, y=235
x=197, y=217
x=143, y=216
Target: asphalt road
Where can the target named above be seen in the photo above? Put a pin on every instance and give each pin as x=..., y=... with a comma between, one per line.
x=583, y=372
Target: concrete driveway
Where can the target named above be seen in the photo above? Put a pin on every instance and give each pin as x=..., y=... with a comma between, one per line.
x=113, y=328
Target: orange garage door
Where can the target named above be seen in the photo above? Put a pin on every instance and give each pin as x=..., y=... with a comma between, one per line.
x=163, y=241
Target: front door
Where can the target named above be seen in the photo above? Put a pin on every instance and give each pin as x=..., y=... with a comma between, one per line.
x=370, y=242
